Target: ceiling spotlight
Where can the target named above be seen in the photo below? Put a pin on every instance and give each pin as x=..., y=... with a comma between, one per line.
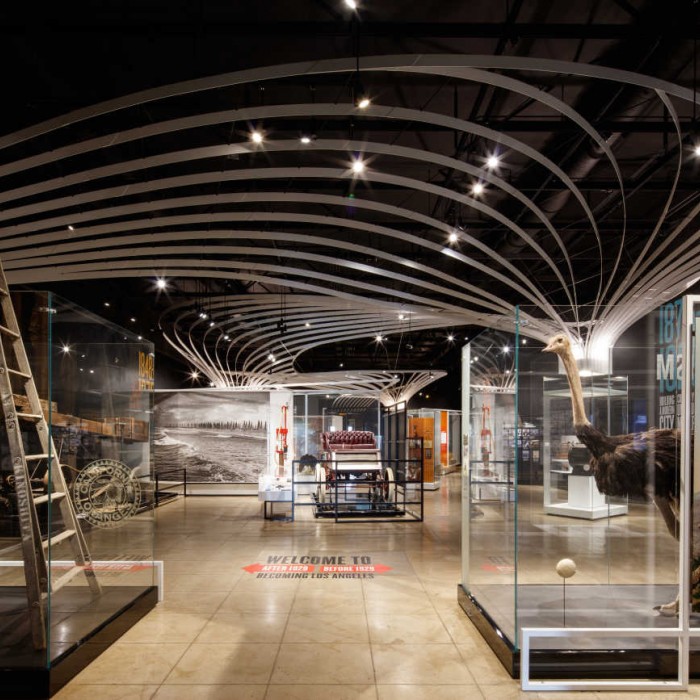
x=453, y=237
x=352, y=4
x=271, y=357
x=66, y=348
x=71, y=228
x=211, y=324
x=697, y=151
x=506, y=349
x=106, y=303
x=194, y=374
x=256, y=137
x=307, y=325
x=378, y=337
x=477, y=189
x=492, y=162
x=451, y=337
x=524, y=341
x=161, y=283
x=132, y=319
x=357, y=166
x=363, y=102
x=305, y=139
x=402, y=317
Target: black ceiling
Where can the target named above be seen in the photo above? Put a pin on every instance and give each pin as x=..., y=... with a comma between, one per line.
x=71, y=55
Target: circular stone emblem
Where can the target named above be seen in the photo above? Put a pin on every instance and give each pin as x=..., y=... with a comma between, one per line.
x=106, y=494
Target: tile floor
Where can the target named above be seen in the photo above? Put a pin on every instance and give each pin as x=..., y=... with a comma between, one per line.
x=224, y=633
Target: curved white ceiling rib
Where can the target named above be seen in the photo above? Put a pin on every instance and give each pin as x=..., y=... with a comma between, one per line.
x=308, y=225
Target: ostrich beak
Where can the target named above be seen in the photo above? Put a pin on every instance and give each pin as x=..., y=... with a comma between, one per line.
x=548, y=348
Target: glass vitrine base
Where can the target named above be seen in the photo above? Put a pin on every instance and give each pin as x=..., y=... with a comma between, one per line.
x=81, y=628
x=626, y=606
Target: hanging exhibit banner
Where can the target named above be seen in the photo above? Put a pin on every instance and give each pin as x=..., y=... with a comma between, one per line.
x=219, y=437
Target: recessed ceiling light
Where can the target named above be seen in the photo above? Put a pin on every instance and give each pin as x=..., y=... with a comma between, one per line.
x=492, y=162
x=132, y=319
x=307, y=324
x=71, y=228
x=106, y=303
x=256, y=137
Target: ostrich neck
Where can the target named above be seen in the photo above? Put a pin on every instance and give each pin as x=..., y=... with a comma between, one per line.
x=574, y=378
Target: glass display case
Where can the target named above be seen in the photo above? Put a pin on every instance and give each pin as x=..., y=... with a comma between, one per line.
x=571, y=602
x=76, y=496
x=569, y=486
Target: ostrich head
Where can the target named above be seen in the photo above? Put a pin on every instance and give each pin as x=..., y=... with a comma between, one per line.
x=559, y=344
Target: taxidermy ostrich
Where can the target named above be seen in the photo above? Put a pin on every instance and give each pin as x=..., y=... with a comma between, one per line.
x=644, y=464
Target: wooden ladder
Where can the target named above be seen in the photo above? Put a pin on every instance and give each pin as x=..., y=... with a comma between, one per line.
x=28, y=427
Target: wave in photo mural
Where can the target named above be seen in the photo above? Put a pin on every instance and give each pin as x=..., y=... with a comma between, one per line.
x=218, y=437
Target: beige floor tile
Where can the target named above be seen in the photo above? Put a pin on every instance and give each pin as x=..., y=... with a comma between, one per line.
x=509, y=691
x=428, y=692
x=166, y=626
x=132, y=664
x=423, y=628
x=210, y=692
x=204, y=601
x=484, y=665
x=322, y=692
x=326, y=629
x=224, y=664
x=258, y=601
x=106, y=692
x=241, y=627
x=192, y=583
x=311, y=664
x=320, y=601
x=419, y=664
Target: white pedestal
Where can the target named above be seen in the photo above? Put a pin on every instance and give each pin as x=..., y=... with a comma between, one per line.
x=585, y=501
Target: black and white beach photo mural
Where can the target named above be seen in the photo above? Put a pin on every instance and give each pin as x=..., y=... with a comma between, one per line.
x=219, y=437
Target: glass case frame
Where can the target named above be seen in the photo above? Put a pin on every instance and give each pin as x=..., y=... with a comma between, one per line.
x=94, y=381
x=626, y=569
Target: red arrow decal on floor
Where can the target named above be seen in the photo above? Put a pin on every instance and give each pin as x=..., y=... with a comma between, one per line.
x=253, y=568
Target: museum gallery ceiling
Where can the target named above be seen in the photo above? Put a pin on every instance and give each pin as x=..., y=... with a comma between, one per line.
x=539, y=154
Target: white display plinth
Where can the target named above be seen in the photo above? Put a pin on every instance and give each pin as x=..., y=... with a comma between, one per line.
x=585, y=501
